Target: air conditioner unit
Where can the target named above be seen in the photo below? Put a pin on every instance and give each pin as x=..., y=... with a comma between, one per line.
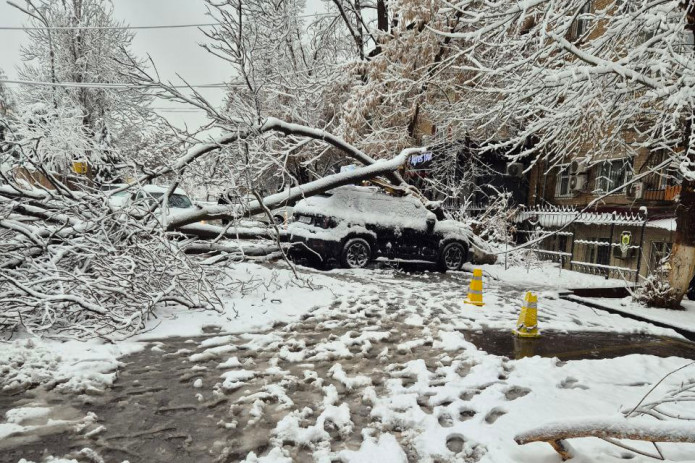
x=577, y=182
x=578, y=167
x=635, y=190
x=515, y=169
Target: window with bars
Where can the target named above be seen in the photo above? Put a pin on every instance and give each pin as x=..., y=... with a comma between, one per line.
x=562, y=182
x=612, y=174
x=660, y=183
x=599, y=252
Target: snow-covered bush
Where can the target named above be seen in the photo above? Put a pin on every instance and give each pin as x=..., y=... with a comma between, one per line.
x=657, y=292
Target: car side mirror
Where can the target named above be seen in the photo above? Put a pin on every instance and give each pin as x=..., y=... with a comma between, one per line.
x=430, y=224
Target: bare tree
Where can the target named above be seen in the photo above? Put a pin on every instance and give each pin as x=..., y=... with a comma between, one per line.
x=79, y=42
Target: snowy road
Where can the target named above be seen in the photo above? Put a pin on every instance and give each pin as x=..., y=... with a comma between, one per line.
x=383, y=370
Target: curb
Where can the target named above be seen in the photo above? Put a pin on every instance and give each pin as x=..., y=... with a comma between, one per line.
x=689, y=335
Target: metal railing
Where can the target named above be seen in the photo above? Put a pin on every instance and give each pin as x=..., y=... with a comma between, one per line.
x=549, y=221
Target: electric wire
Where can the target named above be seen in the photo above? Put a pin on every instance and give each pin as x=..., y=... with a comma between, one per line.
x=155, y=26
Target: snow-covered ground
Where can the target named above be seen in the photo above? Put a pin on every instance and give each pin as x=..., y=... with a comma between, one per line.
x=363, y=366
x=684, y=319
x=549, y=276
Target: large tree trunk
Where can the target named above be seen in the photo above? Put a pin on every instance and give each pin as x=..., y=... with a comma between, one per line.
x=382, y=15
x=683, y=251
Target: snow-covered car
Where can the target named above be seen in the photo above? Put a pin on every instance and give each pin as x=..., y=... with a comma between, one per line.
x=116, y=200
x=281, y=215
x=353, y=225
x=150, y=195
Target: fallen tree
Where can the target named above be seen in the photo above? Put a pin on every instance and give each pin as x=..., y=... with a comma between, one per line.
x=73, y=265
x=609, y=429
x=666, y=418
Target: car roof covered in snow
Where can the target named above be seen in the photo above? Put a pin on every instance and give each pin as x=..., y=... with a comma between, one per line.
x=363, y=205
x=162, y=189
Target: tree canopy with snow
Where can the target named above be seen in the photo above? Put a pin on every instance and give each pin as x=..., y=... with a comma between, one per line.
x=604, y=78
x=77, y=43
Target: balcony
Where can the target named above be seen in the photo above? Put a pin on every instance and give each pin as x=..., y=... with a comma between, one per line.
x=668, y=193
x=672, y=192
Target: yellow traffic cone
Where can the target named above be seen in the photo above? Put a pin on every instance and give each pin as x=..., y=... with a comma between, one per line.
x=527, y=325
x=475, y=290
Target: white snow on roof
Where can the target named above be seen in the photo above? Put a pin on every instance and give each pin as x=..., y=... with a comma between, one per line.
x=665, y=224
x=162, y=189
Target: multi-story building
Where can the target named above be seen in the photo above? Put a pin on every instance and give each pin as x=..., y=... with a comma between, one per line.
x=612, y=213
x=604, y=227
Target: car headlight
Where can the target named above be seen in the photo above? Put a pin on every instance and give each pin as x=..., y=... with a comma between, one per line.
x=324, y=222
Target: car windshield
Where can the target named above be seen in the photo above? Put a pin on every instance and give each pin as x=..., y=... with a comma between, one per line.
x=176, y=201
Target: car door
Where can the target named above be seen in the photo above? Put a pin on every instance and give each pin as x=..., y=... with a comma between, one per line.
x=374, y=209
x=416, y=237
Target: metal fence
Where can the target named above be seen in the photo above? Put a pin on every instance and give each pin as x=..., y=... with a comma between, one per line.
x=545, y=222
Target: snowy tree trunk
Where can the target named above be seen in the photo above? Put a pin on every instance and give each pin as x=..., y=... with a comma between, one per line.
x=382, y=15
x=683, y=252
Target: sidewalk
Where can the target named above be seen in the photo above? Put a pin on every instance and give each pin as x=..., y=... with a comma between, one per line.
x=681, y=321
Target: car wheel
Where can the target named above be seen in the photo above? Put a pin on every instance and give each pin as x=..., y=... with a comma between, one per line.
x=452, y=256
x=356, y=253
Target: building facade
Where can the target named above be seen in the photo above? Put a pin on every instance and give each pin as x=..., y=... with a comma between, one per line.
x=613, y=216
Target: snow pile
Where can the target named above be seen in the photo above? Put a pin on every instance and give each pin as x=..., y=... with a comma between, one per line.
x=350, y=383
x=546, y=275
x=684, y=319
x=236, y=378
x=71, y=366
x=255, y=297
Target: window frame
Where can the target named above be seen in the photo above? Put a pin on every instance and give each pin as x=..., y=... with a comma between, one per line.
x=604, y=182
x=562, y=172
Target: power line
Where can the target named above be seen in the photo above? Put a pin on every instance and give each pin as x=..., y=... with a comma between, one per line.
x=68, y=28
x=122, y=85
x=156, y=26
x=178, y=110
x=111, y=85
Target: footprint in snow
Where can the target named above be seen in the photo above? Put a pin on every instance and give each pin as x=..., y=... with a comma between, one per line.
x=494, y=414
x=445, y=420
x=466, y=414
x=571, y=383
x=516, y=392
x=455, y=443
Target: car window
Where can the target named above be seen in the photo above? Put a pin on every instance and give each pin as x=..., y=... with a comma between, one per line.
x=179, y=201
x=176, y=200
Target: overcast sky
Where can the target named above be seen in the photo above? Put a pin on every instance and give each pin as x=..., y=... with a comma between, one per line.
x=175, y=51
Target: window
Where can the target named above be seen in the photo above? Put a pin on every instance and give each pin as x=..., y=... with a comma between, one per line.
x=562, y=182
x=659, y=179
x=658, y=258
x=612, y=174
x=562, y=243
x=599, y=252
